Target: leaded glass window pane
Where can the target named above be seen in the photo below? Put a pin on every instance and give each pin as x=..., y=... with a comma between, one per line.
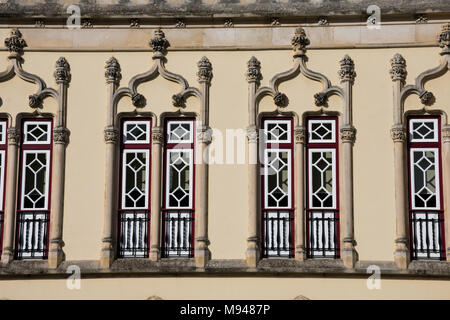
x=425, y=178
x=179, y=178
x=37, y=132
x=322, y=178
x=277, y=131
x=423, y=130
x=35, y=179
x=134, y=179
x=278, y=178
x=180, y=132
x=322, y=131
x=135, y=132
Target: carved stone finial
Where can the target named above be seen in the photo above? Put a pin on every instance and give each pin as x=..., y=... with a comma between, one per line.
x=204, y=73
x=178, y=100
x=320, y=99
x=138, y=100
x=159, y=44
x=62, y=72
x=281, y=100
x=444, y=39
x=299, y=42
x=427, y=98
x=398, y=133
x=398, y=68
x=253, y=73
x=15, y=43
x=112, y=73
x=35, y=101
x=347, y=71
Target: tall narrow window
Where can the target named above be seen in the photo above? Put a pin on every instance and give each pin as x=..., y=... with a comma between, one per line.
x=33, y=212
x=3, y=148
x=134, y=207
x=178, y=211
x=322, y=209
x=277, y=188
x=425, y=188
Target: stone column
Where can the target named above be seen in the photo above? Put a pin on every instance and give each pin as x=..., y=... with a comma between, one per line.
x=299, y=159
x=398, y=133
x=348, y=134
x=446, y=178
x=202, y=253
x=155, y=221
x=10, y=196
x=56, y=254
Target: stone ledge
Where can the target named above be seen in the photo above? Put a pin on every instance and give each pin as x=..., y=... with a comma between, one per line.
x=439, y=270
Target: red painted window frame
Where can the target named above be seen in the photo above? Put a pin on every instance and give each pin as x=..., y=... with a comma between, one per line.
x=24, y=147
x=438, y=145
x=143, y=146
x=168, y=146
x=3, y=146
x=312, y=145
x=291, y=209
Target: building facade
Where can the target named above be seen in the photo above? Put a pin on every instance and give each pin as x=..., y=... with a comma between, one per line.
x=224, y=150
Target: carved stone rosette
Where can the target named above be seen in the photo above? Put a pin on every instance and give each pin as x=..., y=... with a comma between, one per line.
x=398, y=134
x=13, y=136
x=204, y=73
x=299, y=42
x=398, y=68
x=62, y=73
x=15, y=43
x=113, y=72
x=348, y=134
x=61, y=135
x=347, y=71
x=253, y=73
x=300, y=135
x=111, y=135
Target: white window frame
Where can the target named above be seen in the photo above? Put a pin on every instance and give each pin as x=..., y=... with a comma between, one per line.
x=47, y=182
x=266, y=130
x=125, y=152
x=191, y=131
x=437, y=178
x=333, y=131
x=168, y=168
x=310, y=186
x=435, y=131
x=266, y=178
x=25, y=132
x=147, y=132
x=2, y=176
x=3, y=132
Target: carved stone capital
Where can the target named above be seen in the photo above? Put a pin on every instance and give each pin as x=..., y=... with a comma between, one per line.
x=300, y=135
x=444, y=39
x=398, y=133
x=111, y=135
x=446, y=134
x=347, y=72
x=15, y=43
x=61, y=135
x=204, y=73
x=62, y=72
x=348, y=134
x=253, y=73
x=204, y=135
x=157, y=136
x=13, y=136
x=252, y=134
x=398, y=68
x=159, y=44
x=299, y=42
x=113, y=72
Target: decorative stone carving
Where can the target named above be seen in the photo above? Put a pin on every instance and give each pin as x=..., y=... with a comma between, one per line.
x=252, y=134
x=320, y=99
x=157, y=136
x=35, y=101
x=347, y=71
x=300, y=41
x=138, y=100
x=427, y=98
x=281, y=100
x=111, y=135
x=300, y=135
x=13, y=136
x=39, y=23
x=113, y=72
x=86, y=24
x=205, y=135
x=228, y=23
x=398, y=134
x=15, y=43
x=446, y=134
x=134, y=23
x=323, y=21
x=159, y=43
x=422, y=19
x=62, y=72
x=253, y=73
x=178, y=100
x=61, y=135
x=348, y=134
x=444, y=39
x=204, y=73
x=398, y=68
x=180, y=23
x=275, y=22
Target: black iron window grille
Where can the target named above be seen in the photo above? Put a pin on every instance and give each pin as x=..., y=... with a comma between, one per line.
x=134, y=234
x=33, y=229
x=178, y=233
x=427, y=235
x=323, y=234
x=278, y=235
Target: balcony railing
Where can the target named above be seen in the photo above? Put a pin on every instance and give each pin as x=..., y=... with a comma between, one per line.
x=322, y=233
x=32, y=235
x=134, y=226
x=178, y=233
x=277, y=233
x=427, y=235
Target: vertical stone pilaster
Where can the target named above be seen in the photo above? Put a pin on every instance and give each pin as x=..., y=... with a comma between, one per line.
x=156, y=184
x=299, y=214
x=446, y=178
x=10, y=196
